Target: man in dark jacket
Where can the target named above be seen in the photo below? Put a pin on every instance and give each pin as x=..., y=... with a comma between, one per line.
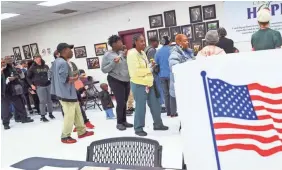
x=226, y=44
x=11, y=93
x=37, y=77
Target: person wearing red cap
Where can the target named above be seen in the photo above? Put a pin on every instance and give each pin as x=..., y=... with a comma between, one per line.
x=265, y=38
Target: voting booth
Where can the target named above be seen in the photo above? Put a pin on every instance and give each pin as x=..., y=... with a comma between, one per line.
x=230, y=107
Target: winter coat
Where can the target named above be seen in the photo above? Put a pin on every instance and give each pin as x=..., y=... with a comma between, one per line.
x=210, y=50
x=106, y=100
x=178, y=56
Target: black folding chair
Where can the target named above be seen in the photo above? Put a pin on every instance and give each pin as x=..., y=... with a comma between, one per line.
x=126, y=151
x=92, y=98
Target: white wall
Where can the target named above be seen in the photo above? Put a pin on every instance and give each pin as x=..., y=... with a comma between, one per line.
x=89, y=29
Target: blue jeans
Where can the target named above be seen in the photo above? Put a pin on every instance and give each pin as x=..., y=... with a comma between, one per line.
x=110, y=113
x=141, y=97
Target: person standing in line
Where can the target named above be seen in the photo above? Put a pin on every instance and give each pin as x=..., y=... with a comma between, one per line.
x=114, y=63
x=150, y=51
x=74, y=72
x=265, y=38
x=161, y=59
x=226, y=44
x=38, y=79
x=141, y=81
x=11, y=93
x=180, y=53
x=62, y=85
x=211, y=48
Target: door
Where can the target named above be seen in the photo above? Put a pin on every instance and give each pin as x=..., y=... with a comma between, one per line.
x=127, y=35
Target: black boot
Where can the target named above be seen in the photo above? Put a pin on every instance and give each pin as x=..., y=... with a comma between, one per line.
x=51, y=116
x=43, y=119
x=163, y=110
x=6, y=127
x=27, y=120
x=141, y=133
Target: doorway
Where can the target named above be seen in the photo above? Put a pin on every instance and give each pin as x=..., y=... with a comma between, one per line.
x=127, y=35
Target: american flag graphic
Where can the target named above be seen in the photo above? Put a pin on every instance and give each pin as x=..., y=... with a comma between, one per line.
x=246, y=117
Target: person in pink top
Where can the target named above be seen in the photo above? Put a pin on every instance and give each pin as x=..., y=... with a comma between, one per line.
x=211, y=49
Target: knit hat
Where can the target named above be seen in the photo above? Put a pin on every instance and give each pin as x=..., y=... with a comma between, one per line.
x=212, y=37
x=264, y=15
x=221, y=32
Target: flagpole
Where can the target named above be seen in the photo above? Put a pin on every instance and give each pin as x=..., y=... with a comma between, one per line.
x=203, y=74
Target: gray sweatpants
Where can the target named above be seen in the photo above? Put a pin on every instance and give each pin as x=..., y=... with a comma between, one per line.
x=44, y=96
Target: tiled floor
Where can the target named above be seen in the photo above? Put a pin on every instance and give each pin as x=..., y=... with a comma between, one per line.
x=43, y=139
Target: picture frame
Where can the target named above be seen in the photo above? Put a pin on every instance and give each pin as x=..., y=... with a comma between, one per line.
x=195, y=14
x=26, y=52
x=170, y=18
x=173, y=32
x=80, y=52
x=93, y=63
x=196, y=46
x=204, y=43
x=164, y=32
x=209, y=12
x=188, y=31
x=199, y=30
x=17, y=53
x=156, y=21
x=152, y=34
x=212, y=25
x=100, y=49
x=34, y=49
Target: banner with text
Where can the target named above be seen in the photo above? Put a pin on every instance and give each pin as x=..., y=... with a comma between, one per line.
x=230, y=108
x=240, y=18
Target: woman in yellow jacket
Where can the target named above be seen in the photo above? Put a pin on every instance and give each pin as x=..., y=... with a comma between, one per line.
x=141, y=82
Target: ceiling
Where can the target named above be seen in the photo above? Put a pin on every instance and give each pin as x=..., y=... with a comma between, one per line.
x=31, y=14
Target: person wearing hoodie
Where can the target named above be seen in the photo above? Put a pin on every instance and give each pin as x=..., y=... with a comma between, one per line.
x=180, y=53
x=37, y=77
x=211, y=48
x=161, y=59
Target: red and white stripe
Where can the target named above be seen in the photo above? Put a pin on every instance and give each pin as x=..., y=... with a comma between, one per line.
x=264, y=135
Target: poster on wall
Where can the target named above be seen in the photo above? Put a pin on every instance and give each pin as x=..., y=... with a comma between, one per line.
x=93, y=63
x=241, y=27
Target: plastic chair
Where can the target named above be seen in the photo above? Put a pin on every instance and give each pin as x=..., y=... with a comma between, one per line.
x=126, y=151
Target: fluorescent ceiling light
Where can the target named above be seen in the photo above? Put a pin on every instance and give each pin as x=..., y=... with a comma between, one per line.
x=52, y=3
x=8, y=15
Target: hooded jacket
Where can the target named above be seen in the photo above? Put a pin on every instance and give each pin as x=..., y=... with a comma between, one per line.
x=38, y=75
x=178, y=56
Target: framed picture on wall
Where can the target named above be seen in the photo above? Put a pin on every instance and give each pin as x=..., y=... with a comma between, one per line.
x=100, y=49
x=188, y=31
x=196, y=46
x=199, y=30
x=17, y=53
x=164, y=32
x=173, y=32
x=209, y=12
x=152, y=34
x=156, y=21
x=170, y=18
x=34, y=49
x=26, y=51
x=204, y=43
x=195, y=13
x=80, y=52
x=93, y=63
x=212, y=25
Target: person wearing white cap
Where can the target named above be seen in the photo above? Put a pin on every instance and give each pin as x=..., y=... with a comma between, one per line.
x=212, y=39
x=265, y=38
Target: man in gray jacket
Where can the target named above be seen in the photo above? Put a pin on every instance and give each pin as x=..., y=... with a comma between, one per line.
x=62, y=85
